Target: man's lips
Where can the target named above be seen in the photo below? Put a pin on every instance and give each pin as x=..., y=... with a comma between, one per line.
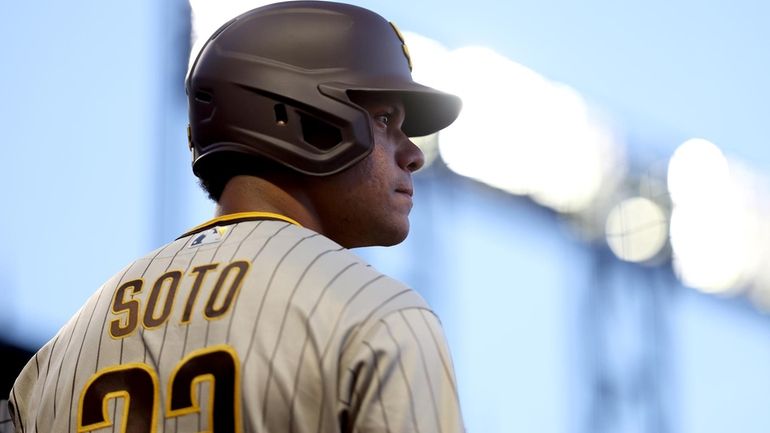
x=405, y=190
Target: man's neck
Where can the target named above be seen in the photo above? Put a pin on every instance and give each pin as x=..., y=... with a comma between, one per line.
x=253, y=194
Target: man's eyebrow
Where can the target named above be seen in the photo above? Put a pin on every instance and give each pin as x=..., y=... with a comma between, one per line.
x=391, y=107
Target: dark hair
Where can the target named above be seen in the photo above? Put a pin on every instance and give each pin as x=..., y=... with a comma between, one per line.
x=220, y=167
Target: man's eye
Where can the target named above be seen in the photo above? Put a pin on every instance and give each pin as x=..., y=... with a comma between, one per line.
x=384, y=118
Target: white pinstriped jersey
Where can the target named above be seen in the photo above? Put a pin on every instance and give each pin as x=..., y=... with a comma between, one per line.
x=247, y=323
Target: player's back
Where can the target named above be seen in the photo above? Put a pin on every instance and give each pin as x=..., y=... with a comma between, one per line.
x=249, y=323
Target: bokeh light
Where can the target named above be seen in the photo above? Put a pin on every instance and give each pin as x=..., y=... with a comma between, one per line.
x=636, y=229
x=518, y=131
x=698, y=171
x=718, y=234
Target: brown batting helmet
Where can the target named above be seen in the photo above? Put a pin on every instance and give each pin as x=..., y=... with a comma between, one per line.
x=276, y=82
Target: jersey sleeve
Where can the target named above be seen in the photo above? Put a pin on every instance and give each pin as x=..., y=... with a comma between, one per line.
x=6, y=423
x=400, y=378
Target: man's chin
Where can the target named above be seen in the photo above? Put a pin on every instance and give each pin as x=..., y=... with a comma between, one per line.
x=381, y=237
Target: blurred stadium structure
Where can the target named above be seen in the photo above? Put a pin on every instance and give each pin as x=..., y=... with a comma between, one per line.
x=646, y=229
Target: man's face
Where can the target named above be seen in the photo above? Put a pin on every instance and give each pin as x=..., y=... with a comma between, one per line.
x=369, y=203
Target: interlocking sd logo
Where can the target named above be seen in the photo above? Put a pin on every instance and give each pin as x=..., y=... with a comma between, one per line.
x=403, y=44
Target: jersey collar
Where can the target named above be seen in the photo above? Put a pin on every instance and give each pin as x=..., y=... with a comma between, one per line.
x=239, y=217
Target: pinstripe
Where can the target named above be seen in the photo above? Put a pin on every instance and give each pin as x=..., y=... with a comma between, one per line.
x=245, y=238
x=267, y=291
x=352, y=338
x=206, y=340
x=146, y=268
x=205, y=343
x=403, y=373
x=45, y=380
x=37, y=378
x=253, y=260
x=444, y=363
x=165, y=325
x=187, y=329
x=240, y=244
x=156, y=362
x=184, y=344
x=213, y=258
x=63, y=359
x=377, y=375
x=18, y=415
x=372, y=313
x=80, y=352
x=184, y=350
x=261, y=306
x=424, y=366
x=334, y=332
x=104, y=321
x=345, y=307
x=283, y=321
x=267, y=241
x=227, y=236
x=107, y=310
x=123, y=340
x=304, y=347
x=141, y=329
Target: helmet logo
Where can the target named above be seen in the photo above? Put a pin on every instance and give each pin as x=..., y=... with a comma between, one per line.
x=403, y=44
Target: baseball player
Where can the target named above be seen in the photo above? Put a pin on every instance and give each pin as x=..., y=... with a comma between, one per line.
x=262, y=320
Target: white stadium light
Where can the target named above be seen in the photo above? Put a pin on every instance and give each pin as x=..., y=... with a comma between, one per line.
x=518, y=131
x=636, y=229
x=697, y=170
x=718, y=234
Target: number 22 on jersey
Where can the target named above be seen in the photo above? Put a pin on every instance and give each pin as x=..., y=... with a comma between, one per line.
x=137, y=384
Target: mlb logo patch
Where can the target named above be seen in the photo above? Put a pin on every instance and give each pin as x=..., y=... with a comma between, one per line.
x=209, y=236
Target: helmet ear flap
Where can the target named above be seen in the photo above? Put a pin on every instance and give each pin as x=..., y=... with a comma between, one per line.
x=319, y=139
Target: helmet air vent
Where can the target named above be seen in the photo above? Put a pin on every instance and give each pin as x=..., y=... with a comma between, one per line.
x=318, y=133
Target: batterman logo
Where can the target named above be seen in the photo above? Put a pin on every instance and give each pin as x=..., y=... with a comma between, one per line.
x=209, y=236
x=403, y=44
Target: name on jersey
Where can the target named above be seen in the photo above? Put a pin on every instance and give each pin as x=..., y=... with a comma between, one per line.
x=130, y=308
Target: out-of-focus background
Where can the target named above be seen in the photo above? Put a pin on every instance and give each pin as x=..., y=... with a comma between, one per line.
x=593, y=231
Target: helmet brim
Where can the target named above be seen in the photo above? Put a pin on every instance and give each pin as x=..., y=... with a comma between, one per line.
x=427, y=110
